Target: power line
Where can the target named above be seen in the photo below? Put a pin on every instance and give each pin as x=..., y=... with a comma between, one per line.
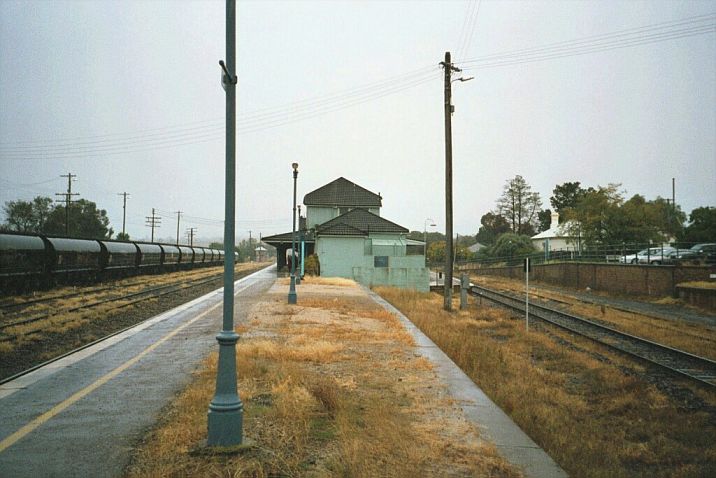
x=595, y=49
x=700, y=20
x=258, y=125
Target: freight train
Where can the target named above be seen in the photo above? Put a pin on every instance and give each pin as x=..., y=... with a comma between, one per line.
x=30, y=262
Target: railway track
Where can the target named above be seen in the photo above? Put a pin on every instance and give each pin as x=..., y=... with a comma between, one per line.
x=125, y=299
x=698, y=369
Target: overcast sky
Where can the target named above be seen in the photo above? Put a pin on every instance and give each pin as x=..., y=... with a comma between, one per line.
x=127, y=96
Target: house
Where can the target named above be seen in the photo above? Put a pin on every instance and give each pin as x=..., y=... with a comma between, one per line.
x=556, y=239
x=476, y=247
x=261, y=253
x=345, y=230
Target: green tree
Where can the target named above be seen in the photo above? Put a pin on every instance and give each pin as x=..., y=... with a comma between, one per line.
x=85, y=220
x=123, y=236
x=511, y=245
x=492, y=226
x=702, y=225
x=566, y=196
x=545, y=220
x=436, y=252
x=519, y=206
x=27, y=216
x=603, y=217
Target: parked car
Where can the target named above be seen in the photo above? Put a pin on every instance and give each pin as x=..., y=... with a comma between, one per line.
x=700, y=254
x=653, y=255
x=674, y=256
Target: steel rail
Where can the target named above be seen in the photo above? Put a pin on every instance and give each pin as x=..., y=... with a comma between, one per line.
x=26, y=303
x=150, y=294
x=696, y=368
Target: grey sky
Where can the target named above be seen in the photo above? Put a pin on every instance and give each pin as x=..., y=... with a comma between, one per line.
x=115, y=92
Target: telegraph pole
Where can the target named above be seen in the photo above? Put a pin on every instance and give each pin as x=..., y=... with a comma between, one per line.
x=449, y=109
x=190, y=235
x=251, y=251
x=68, y=199
x=153, y=221
x=226, y=412
x=124, y=211
x=447, y=287
x=178, y=217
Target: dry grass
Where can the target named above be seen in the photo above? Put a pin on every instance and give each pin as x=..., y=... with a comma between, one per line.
x=699, y=339
x=324, y=396
x=700, y=284
x=585, y=406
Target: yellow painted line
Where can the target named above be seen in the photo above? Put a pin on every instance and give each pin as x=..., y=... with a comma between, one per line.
x=22, y=432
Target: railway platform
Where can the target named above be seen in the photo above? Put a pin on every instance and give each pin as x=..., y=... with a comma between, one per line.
x=81, y=415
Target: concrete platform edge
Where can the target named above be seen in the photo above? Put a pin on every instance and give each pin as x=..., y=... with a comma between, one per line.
x=494, y=424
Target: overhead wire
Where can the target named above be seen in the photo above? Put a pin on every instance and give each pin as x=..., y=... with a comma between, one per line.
x=584, y=50
x=690, y=21
x=272, y=117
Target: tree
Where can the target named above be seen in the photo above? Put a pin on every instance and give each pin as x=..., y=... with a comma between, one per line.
x=512, y=245
x=519, y=206
x=436, y=252
x=85, y=220
x=492, y=226
x=603, y=217
x=27, y=216
x=122, y=236
x=545, y=220
x=567, y=196
x=702, y=225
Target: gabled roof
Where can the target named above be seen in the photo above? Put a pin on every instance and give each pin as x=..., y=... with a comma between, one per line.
x=342, y=192
x=359, y=221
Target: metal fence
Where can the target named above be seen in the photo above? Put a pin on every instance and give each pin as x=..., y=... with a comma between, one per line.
x=625, y=253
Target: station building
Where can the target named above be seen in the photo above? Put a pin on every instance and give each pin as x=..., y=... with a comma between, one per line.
x=344, y=229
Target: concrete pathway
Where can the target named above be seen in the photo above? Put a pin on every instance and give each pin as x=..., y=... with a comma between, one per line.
x=492, y=422
x=81, y=415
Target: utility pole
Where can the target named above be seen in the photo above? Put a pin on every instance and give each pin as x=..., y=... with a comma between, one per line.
x=178, y=217
x=68, y=199
x=124, y=211
x=447, y=287
x=153, y=221
x=673, y=193
x=190, y=235
x=226, y=411
x=251, y=251
x=449, y=109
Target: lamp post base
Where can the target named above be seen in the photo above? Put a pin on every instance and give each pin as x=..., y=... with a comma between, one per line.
x=226, y=427
x=292, y=298
x=226, y=411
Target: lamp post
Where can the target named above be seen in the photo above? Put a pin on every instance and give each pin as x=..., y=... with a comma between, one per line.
x=226, y=412
x=292, y=290
x=425, y=235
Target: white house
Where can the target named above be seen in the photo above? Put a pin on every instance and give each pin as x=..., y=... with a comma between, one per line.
x=556, y=238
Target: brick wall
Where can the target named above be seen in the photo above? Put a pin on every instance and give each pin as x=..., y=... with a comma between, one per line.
x=648, y=280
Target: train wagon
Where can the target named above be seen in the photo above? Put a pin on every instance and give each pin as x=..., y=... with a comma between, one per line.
x=22, y=261
x=121, y=255
x=74, y=259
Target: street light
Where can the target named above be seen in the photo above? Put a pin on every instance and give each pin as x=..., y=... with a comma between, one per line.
x=292, y=290
x=425, y=235
x=226, y=411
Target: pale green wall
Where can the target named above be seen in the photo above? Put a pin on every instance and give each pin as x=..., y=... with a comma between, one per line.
x=319, y=214
x=351, y=257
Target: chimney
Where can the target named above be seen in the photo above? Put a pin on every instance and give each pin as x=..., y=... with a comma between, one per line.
x=555, y=219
